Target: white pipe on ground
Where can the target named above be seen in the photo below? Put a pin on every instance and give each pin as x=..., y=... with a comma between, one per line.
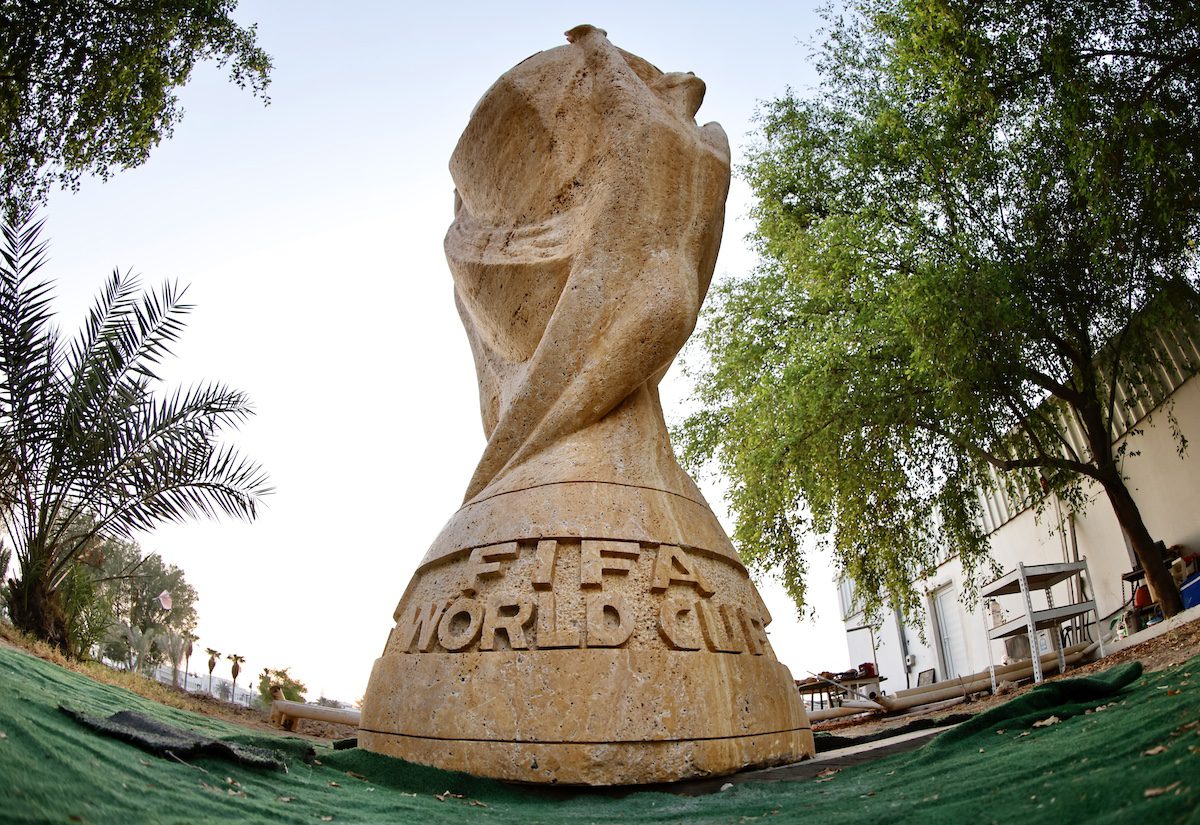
x=822, y=714
x=299, y=710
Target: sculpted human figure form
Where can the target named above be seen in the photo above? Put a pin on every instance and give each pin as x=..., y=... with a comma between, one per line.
x=583, y=618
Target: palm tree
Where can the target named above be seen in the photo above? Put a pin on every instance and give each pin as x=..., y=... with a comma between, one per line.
x=237, y=668
x=174, y=645
x=85, y=439
x=140, y=644
x=190, y=638
x=213, y=655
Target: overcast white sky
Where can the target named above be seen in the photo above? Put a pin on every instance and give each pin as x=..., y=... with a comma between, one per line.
x=311, y=232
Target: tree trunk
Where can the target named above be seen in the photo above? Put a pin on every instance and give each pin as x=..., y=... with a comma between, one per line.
x=1158, y=576
x=38, y=612
x=1099, y=436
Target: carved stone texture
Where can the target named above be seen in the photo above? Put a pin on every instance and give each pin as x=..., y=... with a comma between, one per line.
x=583, y=618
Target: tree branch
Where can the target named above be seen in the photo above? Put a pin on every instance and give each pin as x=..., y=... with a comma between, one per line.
x=1008, y=464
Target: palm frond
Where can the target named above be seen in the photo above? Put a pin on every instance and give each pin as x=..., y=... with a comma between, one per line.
x=87, y=447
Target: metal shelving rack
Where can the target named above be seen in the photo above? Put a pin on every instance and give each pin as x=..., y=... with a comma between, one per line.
x=1031, y=577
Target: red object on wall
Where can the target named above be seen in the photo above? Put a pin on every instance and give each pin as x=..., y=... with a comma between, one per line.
x=1141, y=597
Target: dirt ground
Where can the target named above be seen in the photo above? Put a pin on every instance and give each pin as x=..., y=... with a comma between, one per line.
x=1171, y=648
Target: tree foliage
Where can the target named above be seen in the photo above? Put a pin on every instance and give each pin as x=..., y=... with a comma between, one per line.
x=88, y=613
x=131, y=584
x=293, y=689
x=111, y=599
x=86, y=438
x=962, y=234
x=89, y=86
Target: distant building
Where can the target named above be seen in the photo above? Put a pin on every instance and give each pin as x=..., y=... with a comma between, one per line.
x=1166, y=488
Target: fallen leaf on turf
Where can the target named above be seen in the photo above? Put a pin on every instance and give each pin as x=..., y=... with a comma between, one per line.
x=828, y=772
x=1154, y=751
x=356, y=775
x=442, y=797
x=334, y=785
x=1047, y=722
x=1171, y=692
x=3, y=735
x=1001, y=730
x=327, y=819
x=1160, y=791
x=286, y=798
x=475, y=803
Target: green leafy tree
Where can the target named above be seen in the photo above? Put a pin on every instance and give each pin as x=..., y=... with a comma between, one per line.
x=134, y=584
x=88, y=612
x=83, y=432
x=113, y=587
x=971, y=236
x=293, y=689
x=89, y=86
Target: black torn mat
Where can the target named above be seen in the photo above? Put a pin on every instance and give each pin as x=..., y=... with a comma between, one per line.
x=164, y=740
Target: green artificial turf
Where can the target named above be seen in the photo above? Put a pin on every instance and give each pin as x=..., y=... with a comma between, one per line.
x=1113, y=745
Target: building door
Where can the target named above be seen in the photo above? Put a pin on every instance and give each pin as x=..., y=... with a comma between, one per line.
x=951, y=645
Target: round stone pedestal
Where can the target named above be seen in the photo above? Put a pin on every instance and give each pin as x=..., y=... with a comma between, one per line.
x=583, y=633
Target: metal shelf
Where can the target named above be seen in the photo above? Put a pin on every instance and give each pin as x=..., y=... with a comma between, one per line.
x=1037, y=577
x=1051, y=617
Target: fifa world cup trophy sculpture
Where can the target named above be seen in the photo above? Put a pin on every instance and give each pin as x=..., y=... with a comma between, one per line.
x=583, y=618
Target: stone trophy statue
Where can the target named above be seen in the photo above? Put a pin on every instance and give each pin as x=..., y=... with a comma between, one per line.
x=583, y=618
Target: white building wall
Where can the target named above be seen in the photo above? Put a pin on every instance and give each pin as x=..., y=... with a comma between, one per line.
x=1165, y=486
x=891, y=654
x=1167, y=490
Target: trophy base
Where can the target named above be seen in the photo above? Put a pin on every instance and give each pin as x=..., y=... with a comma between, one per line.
x=583, y=633
x=586, y=717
